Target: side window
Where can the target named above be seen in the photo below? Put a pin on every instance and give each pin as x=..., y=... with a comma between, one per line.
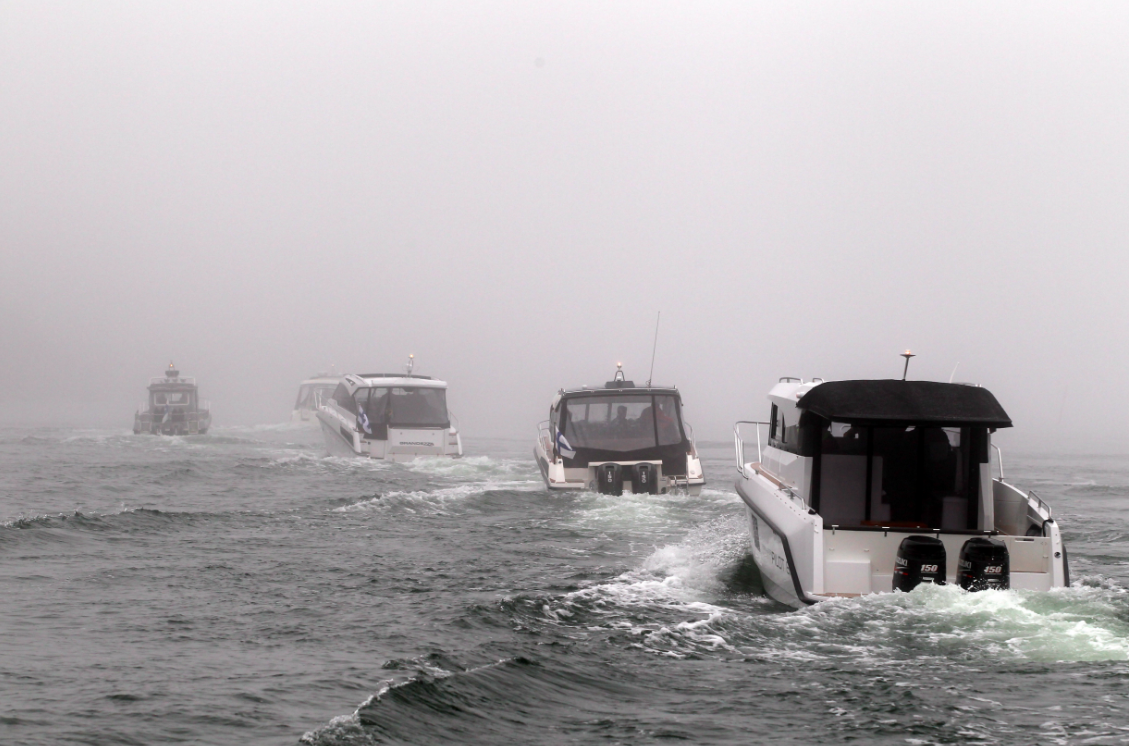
x=361, y=397
x=378, y=406
x=785, y=430
x=772, y=423
x=667, y=420
x=343, y=399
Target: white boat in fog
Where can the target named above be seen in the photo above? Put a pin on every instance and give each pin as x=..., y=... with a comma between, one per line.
x=313, y=393
x=618, y=438
x=875, y=485
x=394, y=416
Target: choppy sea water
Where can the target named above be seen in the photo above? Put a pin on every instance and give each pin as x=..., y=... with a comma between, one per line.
x=243, y=588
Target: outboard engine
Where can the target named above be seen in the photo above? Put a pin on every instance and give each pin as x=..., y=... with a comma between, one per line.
x=609, y=479
x=920, y=559
x=645, y=479
x=984, y=564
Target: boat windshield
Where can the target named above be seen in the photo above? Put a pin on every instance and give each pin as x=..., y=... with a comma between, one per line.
x=171, y=398
x=313, y=395
x=630, y=422
x=404, y=406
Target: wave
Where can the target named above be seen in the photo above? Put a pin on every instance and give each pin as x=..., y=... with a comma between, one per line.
x=433, y=500
x=472, y=467
x=671, y=604
x=633, y=512
x=504, y=701
x=127, y=520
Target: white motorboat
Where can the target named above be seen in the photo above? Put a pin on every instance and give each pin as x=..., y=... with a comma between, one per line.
x=618, y=438
x=394, y=416
x=174, y=407
x=313, y=393
x=870, y=486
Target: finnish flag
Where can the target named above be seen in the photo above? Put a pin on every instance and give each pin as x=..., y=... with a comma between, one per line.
x=362, y=420
x=563, y=446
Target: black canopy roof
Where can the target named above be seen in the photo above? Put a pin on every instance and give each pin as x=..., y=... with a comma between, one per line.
x=905, y=402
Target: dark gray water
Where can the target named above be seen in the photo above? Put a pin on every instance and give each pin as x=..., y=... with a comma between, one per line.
x=241, y=588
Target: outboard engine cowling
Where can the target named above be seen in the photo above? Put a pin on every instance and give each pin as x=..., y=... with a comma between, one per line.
x=645, y=479
x=609, y=479
x=984, y=564
x=920, y=559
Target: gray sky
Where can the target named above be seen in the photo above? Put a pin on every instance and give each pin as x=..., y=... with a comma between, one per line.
x=512, y=190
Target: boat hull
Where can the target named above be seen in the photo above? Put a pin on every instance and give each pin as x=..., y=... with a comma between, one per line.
x=802, y=562
x=402, y=444
x=557, y=478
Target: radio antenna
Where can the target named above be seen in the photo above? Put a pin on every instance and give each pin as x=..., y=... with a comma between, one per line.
x=654, y=347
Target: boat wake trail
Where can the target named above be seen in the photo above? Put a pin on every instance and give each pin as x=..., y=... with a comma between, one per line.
x=948, y=624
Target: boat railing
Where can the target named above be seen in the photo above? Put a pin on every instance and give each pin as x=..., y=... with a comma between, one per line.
x=1038, y=502
x=999, y=460
x=163, y=379
x=739, y=442
x=545, y=436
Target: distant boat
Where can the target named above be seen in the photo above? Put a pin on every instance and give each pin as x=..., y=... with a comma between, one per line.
x=876, y=485
x=394, y=416
x=174, y=407
x=313, y=393
x=618, y=438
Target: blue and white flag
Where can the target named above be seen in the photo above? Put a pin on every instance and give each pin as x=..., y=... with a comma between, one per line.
x=564, y=447
x=362, y=420
x=168, y=413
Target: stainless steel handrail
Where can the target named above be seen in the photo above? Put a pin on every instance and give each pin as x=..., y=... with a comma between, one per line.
x=1000, y=459
x=739, y=442
x=1040, y=502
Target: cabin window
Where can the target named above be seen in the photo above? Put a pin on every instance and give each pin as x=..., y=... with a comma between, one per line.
x=905, y=476
x=375, y=405
x=418, y=407
x=172, y=398
x=344, y=399
x=667, y=421
x=312, y=396
x=622, y=423
x=784, y=432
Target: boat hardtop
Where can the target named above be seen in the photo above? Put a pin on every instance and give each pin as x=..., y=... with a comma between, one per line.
x=618, y=436
x=856, y=476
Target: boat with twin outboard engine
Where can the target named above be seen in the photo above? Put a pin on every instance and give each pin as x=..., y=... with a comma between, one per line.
x=869, y=486
x=313, y=392
x=174, y=407
x=393, y=416
x=618, y=438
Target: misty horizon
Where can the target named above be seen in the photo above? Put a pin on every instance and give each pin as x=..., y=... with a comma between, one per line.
x=511, y=193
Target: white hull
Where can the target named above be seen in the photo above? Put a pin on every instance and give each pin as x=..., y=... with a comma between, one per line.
x=342, y=438
x=559, y=478
x=802, y=562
